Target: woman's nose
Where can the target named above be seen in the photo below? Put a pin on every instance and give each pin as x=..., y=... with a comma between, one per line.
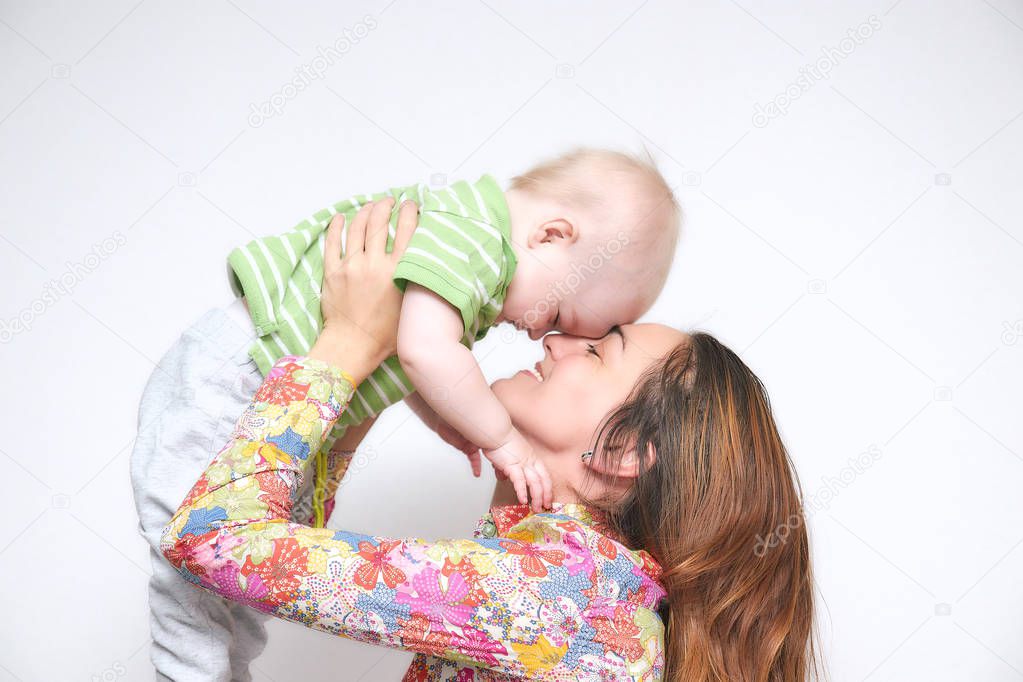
x=560, y=345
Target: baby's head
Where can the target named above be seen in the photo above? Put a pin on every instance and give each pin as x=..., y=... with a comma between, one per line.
x=594, y=233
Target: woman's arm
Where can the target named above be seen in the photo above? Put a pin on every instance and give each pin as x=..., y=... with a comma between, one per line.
x=537, y=604
x=540, y=603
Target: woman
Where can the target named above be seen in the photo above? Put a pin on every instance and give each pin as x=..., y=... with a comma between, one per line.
x=668, y=475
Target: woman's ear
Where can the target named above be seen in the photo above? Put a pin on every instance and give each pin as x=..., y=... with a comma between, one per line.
x=626, y=467
x=555, y=231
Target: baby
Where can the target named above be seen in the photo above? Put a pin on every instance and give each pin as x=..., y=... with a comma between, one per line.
x=578, y=244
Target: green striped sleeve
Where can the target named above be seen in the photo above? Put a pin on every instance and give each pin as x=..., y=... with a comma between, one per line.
x=460, y=252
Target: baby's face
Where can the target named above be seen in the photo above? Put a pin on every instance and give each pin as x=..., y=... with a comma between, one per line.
x=572, y=304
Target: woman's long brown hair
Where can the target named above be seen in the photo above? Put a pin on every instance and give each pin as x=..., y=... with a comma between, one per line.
x=719, y=507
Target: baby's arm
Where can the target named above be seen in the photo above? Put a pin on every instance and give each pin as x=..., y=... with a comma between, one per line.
x=447, y=377
x=445, y=372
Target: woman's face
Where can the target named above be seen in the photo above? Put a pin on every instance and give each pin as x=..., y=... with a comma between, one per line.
x=559, y=406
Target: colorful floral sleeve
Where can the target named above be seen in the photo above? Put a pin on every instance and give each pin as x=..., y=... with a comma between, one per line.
x=543, y=602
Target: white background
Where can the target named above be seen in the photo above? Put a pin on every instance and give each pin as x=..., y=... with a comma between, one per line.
x=862, y=251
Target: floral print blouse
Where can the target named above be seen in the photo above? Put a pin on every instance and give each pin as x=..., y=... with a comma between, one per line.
x=549, y=596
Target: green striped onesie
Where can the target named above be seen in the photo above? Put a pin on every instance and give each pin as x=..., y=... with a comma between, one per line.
x=460, y=251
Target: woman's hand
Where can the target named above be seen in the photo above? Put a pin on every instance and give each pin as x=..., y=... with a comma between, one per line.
x=360, y=302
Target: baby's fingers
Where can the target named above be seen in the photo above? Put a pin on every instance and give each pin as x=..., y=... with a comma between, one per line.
x=536, y=492
x=475, y=461
x=535, y=489
x=518, y=481
x=545, y=480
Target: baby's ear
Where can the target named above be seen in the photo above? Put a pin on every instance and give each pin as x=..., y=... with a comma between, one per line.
x=557, y=231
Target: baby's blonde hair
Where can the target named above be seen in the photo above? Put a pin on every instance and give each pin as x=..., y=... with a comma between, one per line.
x=626, y=193
x=576, y=178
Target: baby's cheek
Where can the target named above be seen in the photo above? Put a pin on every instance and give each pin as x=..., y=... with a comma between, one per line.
x=533, y=300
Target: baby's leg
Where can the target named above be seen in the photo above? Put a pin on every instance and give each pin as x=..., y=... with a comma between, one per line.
x=187, y=412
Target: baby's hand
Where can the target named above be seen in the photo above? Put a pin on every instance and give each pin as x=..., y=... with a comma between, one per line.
x=516, y=460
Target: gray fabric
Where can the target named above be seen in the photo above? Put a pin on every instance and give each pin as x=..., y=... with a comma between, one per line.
x=186, y=414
